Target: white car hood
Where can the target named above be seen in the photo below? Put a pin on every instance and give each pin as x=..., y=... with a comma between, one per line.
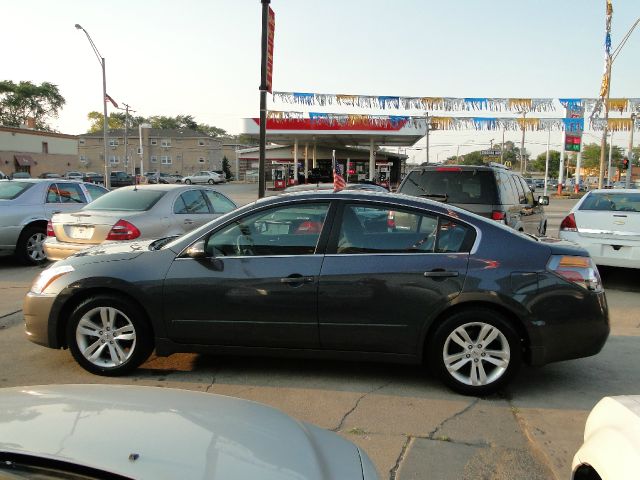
x=176, y=434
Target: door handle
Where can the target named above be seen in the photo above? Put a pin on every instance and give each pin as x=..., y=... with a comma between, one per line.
x=188, y=221
x=296, y=280
x=441, y=273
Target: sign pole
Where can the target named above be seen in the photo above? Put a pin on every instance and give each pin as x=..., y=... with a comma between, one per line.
x=264, y=87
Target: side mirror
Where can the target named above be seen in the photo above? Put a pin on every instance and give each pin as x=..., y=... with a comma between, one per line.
x=196, y=250
x=543, y=200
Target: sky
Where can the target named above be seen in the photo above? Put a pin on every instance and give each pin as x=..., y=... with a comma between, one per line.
x=202, y=57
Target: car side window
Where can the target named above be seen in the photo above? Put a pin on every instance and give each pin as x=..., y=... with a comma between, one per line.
x=71, y=193
x=95, y=191
x=52, y=194
x=372, y=229
x=219, y=203
x=519, y=189
x=507, y=194
x=528, y=194
x=191, y=202
x=284, y=230
x=453, y=237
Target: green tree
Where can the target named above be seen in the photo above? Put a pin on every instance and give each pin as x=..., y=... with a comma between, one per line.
x=19, y=101
x=554, y=162
x=591, y=156
x=225, y=167
x=473, y=158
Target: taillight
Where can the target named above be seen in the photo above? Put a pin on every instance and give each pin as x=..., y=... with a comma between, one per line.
x=569, y=224
x=448, y=169
x=50, y=232
x=123, y=230
x=497, y=215
x=391, y=219
x=579, y=270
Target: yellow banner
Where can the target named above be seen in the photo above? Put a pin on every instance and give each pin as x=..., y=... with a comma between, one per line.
x=431, y=103
x=519, y=104
x=619, y=124
x=441, y=123
x=529, y=123
x=619, y=104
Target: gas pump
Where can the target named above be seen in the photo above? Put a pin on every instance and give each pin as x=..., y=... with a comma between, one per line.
x=279, y=182
x=384, y=174
x=291, y=174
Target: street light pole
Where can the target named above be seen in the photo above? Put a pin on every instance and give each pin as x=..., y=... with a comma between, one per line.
x=522, y=165
x=630, y=152
x=104, y=103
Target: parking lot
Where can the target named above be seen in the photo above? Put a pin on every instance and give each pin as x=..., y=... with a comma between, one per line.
x=407, y=422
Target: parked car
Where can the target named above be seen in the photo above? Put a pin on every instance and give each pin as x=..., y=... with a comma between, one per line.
x=49, y=175
x=20, y=175
x=203, y=177
x=129, y=213
x=539, y=183
x=320, y=175
x=2, y=176
x=611, y=448
x=222, y=174
x=27, y=205
x=607, y=224
x=531, y=184
x=74, y=176
x=123, y=432
x=120, y=179
x=94, y=177
x=160, y=177
x=490, y=191
x=325, y=274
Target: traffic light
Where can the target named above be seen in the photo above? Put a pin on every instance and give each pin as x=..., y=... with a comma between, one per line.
x=572, y=143
x=625, y=163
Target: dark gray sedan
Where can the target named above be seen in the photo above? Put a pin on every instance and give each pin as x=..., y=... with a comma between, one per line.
x=350, y=275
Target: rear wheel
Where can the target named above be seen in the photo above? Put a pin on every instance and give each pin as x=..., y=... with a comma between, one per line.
x=211, y=182
x=475, y=352
x=30, y=249
x=188, y=181
x=109, y=335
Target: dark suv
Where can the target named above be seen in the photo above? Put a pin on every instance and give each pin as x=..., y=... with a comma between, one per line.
x=492, y=191
x=120, y=179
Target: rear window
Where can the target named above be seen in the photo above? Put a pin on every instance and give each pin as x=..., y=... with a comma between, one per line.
x=619, y=202
x=452, y=186
x=127, y=200
x=11, y=189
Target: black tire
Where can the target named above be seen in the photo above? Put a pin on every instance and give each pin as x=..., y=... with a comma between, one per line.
x=29, y=249
x=211, y=182
x=460, y=377
x=129, y=319
x=188, y=181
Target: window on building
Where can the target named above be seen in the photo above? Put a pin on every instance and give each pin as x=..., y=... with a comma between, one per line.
x=83, y=158
x=201, y=142
x=154, y=141
x=113, y=142
x=165, y=142
x=200, y=159
x=113, y=159
x=82, y=141
x=139, y=150
x=45, y=147
x=165, y=159
x=154, y=159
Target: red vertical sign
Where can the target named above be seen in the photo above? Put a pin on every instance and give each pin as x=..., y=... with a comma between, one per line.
x=270, y=34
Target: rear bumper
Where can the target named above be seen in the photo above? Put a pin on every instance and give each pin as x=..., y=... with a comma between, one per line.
x=606, y=251
x=580, y=332
x=55, y=250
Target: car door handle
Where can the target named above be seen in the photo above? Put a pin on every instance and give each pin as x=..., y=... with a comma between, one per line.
x=441, y=273
x=296, y=280
x=188, y=221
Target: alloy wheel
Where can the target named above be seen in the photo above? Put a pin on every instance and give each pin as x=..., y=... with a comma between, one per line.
x=106, y=337
x=476, y=354
x=35, y=249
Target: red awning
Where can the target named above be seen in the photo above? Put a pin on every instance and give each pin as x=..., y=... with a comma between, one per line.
x=24, y=160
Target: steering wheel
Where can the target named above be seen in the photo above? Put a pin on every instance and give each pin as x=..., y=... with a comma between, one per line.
x=244, y=245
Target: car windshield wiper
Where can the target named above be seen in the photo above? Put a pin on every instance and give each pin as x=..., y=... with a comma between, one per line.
x=409, y=179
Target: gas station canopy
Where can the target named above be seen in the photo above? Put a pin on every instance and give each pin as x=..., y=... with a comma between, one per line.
x=363, y=133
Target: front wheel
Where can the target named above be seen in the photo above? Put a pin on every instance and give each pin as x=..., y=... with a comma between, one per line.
x=109, y=335
x=188, y=181
x=475, y=352
x=211, y=182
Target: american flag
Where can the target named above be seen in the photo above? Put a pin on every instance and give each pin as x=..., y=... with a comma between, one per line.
x=338, y=179
x=107, y=98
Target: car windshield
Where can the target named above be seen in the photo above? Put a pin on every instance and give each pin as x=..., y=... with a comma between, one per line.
x=621, y=202
x=137, y=200
x=453, y=186
x=10, y=190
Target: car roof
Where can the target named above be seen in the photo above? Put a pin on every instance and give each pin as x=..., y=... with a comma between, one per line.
x=462, y=167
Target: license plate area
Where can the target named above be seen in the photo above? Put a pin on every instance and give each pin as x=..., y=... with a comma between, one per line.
x=80, y=232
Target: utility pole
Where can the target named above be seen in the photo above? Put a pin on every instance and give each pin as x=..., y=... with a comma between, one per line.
x=126, y=137
x=502, y=148
x=630, y=151
x=427, y=135
x=523, y=168
x=610, y=155
x=263, y=98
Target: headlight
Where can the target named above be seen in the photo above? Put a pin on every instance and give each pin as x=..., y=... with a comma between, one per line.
x=48, y=276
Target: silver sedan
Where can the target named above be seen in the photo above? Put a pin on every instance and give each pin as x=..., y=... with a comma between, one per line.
x=27, y=204
x=135, y=213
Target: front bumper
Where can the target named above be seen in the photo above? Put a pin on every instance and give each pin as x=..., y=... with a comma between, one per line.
x=55, y=250
x=36, y=310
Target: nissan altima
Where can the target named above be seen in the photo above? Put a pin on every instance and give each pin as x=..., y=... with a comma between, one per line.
x=350, y=275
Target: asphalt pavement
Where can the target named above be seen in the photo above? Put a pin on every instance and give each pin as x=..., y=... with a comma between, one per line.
x=410, y=425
